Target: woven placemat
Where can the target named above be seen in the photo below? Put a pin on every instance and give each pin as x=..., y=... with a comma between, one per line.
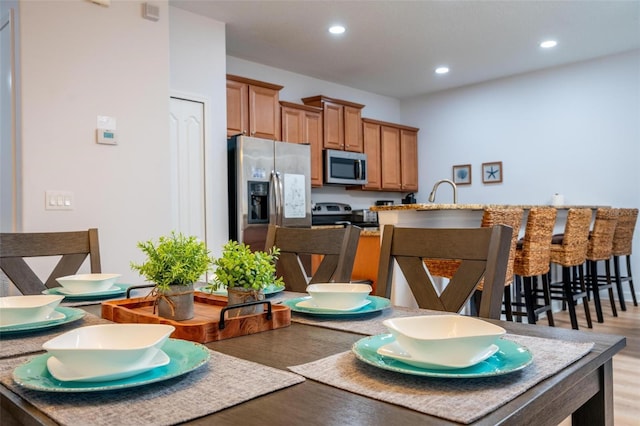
x=13, y=344
x=223, y=382
x=459, y=400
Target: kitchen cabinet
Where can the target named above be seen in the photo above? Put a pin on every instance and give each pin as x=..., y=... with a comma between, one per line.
x=342, y=124
x=303, y=124
x=253, y=108
x=392, y=156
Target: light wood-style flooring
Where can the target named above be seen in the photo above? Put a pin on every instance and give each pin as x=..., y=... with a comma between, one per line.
x=626, y=364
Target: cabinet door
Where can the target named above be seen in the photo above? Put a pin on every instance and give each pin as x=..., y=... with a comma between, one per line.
x=353, y=129
x=409, y=160
x=292, y=125
x=237, y=111
x=371, y=139
x=390, y=158
x=313, y=134
x=264, y=112
x=333, y=126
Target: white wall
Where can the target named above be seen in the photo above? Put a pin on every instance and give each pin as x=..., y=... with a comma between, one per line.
x=574, y=130
x=198, y=71
x=81, y=60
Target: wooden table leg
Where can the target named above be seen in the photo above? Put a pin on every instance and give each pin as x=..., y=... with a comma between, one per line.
x=598, y=410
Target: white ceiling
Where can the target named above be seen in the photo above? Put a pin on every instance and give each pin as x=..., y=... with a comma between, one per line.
x=392, y=47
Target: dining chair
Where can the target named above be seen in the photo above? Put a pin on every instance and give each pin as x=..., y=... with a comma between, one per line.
x=337, y=246
x=482, y=253
x=72, y=246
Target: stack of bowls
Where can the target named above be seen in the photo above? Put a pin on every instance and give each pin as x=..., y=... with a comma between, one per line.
x=87, y=283
x=17, y=310
x=339, y=296
x=441, y=341
x=107, y=352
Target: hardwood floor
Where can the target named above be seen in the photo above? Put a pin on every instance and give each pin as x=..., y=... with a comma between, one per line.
x=626, y=364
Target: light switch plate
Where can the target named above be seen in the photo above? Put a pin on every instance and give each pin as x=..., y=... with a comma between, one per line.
x=58, y=200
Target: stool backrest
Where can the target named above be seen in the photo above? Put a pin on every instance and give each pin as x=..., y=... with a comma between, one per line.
x=601, y=238
x=533, y=253
x=482, y=252
x=337, y=245
x=73, y=247
x=573, y=250
x=623, y=235
x=511, y=217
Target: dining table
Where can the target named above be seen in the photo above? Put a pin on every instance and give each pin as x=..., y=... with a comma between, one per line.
x=307, y=373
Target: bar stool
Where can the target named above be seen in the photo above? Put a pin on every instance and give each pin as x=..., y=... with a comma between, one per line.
x=622, y=239
x=532, y=260
x=569, y=250
x=599, y=248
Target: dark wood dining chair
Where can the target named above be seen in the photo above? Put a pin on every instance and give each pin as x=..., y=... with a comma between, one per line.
x=73, y=247
x=482, y=253
x=337, y=245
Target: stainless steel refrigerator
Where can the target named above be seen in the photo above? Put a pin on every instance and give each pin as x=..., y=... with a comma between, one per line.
x=269, y=183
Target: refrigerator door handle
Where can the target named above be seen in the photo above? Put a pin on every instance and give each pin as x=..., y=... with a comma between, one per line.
x=273, y=199
x=279, y=200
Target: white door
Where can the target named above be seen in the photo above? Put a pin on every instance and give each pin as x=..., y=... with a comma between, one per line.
x=187, y=167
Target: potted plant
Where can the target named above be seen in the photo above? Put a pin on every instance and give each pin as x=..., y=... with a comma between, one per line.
x=174, y=264
x=245, y=274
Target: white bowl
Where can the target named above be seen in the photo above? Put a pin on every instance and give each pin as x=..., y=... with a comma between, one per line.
x=27, y=309
x=444, y=339
x=87, y=283
x=108, y=348
x=338, y=295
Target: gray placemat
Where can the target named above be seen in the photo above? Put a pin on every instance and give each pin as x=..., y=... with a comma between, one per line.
x=13, y=344
x=459, y=400
x=223, y=382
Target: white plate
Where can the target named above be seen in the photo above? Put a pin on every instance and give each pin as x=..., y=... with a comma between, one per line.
x=65, y=373
x=63, y=290
x=53, y=316
x=309, y=304
x=395, y=351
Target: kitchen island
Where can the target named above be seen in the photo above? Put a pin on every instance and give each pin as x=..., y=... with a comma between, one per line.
x=429, y=215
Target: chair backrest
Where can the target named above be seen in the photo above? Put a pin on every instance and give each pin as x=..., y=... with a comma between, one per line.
x=482, y=252
x=533, y=251
x=623, y=236
x=337, y=245
x=601, y=238
x=73, y=247
x=571, y=250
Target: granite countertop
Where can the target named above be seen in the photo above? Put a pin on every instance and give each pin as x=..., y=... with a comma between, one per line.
x=365, y=232
x=429, y=206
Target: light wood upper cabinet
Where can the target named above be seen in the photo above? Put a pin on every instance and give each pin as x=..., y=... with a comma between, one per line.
x=303, y=124
x=371, y=139
x=253, y=108
x=409, y=159
x=392, y=156
x=342, y=123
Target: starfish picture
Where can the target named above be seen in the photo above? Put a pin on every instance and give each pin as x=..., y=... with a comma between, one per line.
x=492, y=172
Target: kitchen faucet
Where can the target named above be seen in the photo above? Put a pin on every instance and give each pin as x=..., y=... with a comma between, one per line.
x=432, y=196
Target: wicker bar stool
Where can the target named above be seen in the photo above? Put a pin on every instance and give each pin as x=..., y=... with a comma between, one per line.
x=533, y=253
x=569, y=250
x=622, y=239
x=491, y=216
x=599, y=248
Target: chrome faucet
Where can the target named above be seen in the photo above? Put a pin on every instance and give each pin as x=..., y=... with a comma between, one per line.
x=432, y=196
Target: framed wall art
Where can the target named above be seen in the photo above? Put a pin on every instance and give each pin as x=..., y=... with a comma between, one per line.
x=462, y=174
x=492, y=172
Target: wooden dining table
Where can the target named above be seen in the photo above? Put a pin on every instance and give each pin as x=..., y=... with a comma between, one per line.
x=583, y=389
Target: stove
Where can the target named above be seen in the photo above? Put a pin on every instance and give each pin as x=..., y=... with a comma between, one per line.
x=342, y=214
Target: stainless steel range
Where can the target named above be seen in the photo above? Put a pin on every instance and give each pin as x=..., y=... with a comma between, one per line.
x=342, y=214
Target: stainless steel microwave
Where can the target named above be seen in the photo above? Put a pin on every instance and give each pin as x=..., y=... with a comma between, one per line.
x=345, y=167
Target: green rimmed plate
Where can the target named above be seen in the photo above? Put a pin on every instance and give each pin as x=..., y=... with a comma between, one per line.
x=509, y=357
x=116, y=290
x=185, y=356
x=377, y=304
x=69, y=315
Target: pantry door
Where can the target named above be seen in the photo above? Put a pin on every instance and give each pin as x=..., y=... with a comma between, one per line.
x=188, y=212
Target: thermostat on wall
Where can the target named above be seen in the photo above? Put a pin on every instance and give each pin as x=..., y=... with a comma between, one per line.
x=107, y=136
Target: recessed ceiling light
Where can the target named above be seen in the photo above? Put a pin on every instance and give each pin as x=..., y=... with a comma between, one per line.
x=442, y=70
x=336, y=29
x=548, y=44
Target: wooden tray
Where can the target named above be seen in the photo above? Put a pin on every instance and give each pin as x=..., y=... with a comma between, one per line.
x=205, y=325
